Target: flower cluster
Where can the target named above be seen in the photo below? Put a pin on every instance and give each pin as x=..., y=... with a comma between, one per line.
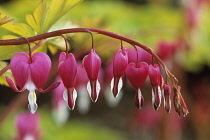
x=31, y=72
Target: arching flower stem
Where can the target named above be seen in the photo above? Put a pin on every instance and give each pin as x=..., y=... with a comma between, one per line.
x=21, y=40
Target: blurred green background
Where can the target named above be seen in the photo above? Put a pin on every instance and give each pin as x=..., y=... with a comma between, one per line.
x=148, y=22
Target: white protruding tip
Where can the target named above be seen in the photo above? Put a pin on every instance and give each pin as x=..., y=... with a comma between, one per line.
x=32, y=106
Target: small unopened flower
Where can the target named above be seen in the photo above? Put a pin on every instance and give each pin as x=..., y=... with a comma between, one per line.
x=27, y=126
x=92, y=64
x=120, y=62
x=137, y=74
x=167, y=97
x=67, y=70
x=156, y=82
x=30, y=73
x=179, y=104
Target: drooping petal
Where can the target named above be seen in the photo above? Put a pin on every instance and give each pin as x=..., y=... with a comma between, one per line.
x=39, y=69
x=12, y=85
x=50, y=88
x=19, y=66
x=67, y=69
x=92, y=64
x=137, y=74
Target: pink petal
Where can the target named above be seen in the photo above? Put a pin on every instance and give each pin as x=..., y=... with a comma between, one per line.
x=120, y=62
x=92, y=64
x=19, y=66
x=51, y=87
x=40, y=68
x=67, y=70
x=12, y=85
x=137, y=74
x=154, y=74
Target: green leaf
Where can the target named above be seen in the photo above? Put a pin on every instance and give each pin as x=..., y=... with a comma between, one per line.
x=20, y=29
x=4, y=19
x=7, y=73
x=59, y=8
x=6, y=52
x=38, y=19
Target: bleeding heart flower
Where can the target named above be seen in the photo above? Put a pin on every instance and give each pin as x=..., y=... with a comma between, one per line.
x=30, y=74
x=137, y=74
x=67, y=70
x=120, y=62
x=156, y=82
x=92, y=64
x=167, y=97
x=27, y=126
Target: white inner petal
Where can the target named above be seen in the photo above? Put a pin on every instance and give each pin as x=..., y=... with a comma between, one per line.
x=83, y=100
x=65, y=95
x=74, y=95
x=30, y=85
x=29, y=137
x=139, y=97
x=153, y=97
x=120, y=84
x=159, y=94
x=98, y=88
x=89, y=88
x=32, y=101
x=110, y=99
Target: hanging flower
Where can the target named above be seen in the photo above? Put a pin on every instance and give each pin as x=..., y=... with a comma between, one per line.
x=92, y=64
x=137, y=74
x=67, y=70
x=30, y=73
x=120, y=62
x=156, y=82
x=167, y=97
x=27, y=126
